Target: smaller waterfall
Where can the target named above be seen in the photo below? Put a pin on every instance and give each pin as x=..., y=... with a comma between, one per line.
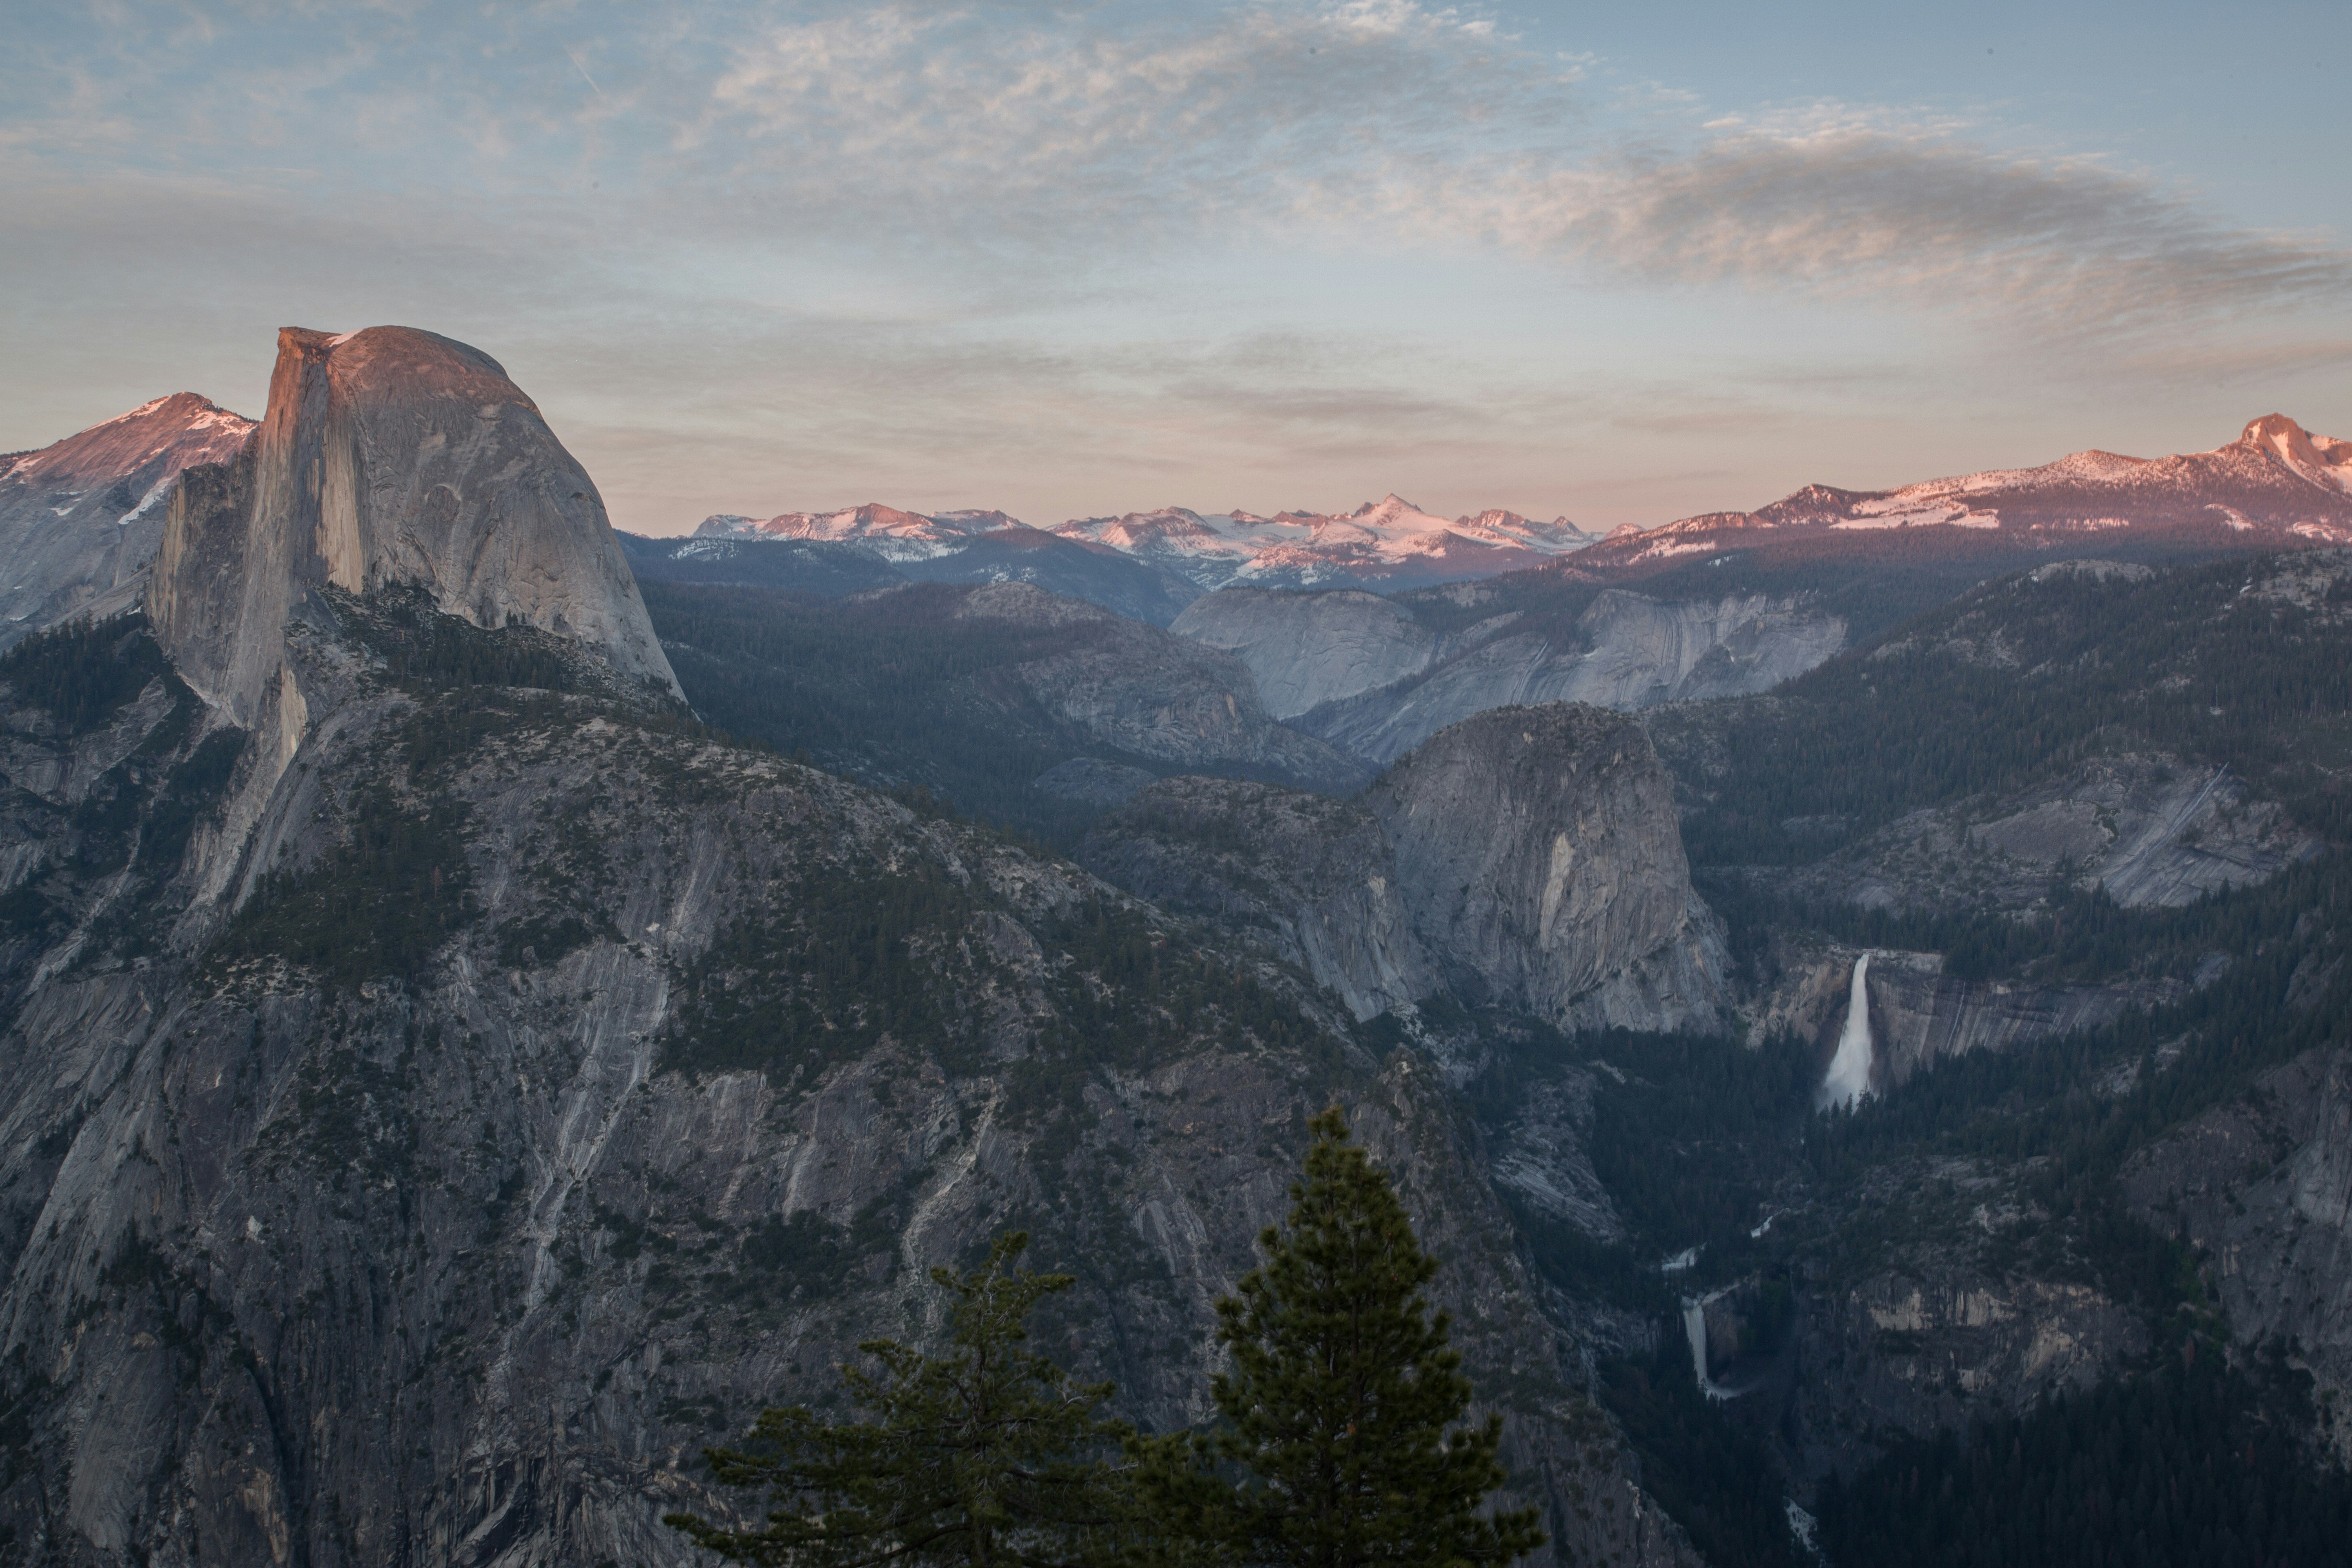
x=1694, y=1330
x=1849, y=1074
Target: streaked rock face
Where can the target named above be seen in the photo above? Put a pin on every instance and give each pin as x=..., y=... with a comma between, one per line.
x=1362, y=672
x=1306, y=649
x=1547, y=870
x=81, y=520
x=1153, y=695
x=2279, y=1231
x=1527, y=858
x=389, y=456
x=1628, y=652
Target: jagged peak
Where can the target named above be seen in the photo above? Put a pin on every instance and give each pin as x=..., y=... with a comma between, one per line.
x=2319, y=459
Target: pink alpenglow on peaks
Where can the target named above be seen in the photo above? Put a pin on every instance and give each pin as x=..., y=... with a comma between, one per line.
x=2275, y=479
x=2319, y=459
x=81, y=520
x=1388, y=544
x=896, y=535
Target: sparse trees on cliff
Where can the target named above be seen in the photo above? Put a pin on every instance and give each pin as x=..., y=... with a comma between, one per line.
x=1337, y=1445
x=986, y=1454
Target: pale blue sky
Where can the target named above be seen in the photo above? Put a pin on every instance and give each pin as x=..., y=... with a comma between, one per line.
x=1624, y=263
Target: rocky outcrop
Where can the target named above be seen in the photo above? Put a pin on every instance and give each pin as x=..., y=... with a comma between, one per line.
x=2154, y=831
x=1919, y=1015
x=388, y=458
x=1938, y=1344
x=2262, y=1187
x=1547, y=873
x=1306, y=649
x=81, y=520
x=1541, y=1157
x=1626, y=652
x=1528, y=860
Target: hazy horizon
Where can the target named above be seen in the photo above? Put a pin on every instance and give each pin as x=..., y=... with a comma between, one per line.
x=1082, y=260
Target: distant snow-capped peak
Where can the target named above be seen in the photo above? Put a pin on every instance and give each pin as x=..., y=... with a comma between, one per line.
x=893, y=533
x=2319, y=459
x=1393, y=517
x=1387, y=540
x=1500, y=527
x=2275, y=477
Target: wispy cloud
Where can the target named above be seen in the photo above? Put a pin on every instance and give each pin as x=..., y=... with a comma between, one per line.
x=810, y=252
x=1923, y=215
x=1393, y=122
x=1061, y=136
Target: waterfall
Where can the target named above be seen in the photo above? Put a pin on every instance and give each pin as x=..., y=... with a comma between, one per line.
x=1694, y=1330
x=1849, y=1075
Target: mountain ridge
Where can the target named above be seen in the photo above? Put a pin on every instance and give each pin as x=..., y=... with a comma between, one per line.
x=2275, y=478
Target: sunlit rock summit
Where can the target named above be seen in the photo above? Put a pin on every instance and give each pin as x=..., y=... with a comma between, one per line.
x=2275, y=479
x=389, y=457
x=80, y=521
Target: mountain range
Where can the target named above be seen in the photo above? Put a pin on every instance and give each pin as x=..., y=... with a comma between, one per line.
x=1854, y=994
x=2276, y=483
x=1389, y=543
x=81, y=520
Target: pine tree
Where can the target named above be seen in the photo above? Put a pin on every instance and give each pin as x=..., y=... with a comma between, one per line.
x=1335, y=1450
x=984, y=1455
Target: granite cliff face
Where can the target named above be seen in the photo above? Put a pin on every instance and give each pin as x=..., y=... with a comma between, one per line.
x=1547, y=869
x=1306, y=649
x=81, y=520
x=2264, y=1187
x=1378, y=683
x=1525, y=859
x=388, y=456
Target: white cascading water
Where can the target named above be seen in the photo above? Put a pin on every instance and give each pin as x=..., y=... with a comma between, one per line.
x=1694, y=1330
x=1849, y=1075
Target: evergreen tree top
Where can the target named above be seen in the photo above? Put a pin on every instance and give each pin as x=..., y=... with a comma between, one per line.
x=1339, y=1408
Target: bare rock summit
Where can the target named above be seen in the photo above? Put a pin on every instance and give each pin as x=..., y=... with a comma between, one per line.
x=388, y=458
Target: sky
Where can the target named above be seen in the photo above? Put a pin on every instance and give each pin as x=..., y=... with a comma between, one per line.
x=1620, y=263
